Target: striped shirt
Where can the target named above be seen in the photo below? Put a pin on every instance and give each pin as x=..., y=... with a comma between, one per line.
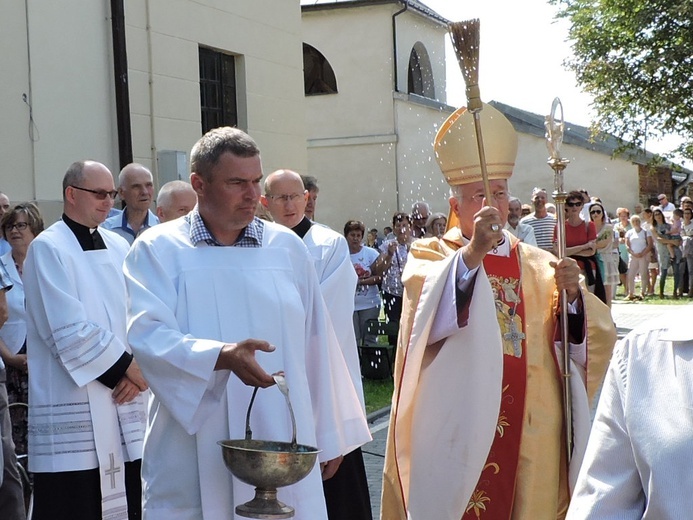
x=543, y=229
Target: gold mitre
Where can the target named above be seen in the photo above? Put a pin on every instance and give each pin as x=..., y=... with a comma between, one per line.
x=457, y=152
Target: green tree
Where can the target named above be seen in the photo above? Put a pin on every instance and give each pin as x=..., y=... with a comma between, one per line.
x=635, y=57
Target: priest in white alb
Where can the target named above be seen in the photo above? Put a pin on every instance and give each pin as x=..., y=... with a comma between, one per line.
x=346, y=493
x=477, y=428
x=219, y=300
x=87, y=411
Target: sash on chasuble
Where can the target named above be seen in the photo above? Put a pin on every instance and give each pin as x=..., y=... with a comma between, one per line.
x=494, y=494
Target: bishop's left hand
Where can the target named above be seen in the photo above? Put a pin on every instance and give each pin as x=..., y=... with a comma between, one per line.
x=567, y=276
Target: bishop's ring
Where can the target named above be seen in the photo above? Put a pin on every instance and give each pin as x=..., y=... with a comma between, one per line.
x=495, y=227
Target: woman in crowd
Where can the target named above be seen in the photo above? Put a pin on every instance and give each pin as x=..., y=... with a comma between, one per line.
x=436, y=224
x=662, y=237
x=368, y=269
x=19, y=226
x=653, y=265
x=639, y=244
x=581, y=244
x=687, y=250
x=395, y=256
x=607, y=258
x=620, y=229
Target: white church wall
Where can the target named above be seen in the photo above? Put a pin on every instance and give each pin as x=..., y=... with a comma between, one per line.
x=615, y=181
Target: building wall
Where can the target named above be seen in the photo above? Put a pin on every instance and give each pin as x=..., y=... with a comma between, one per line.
x=62, y=59
x=361, y=58
x=419, y=177
x=615, y=181
x=265, y=37
x=370, y=148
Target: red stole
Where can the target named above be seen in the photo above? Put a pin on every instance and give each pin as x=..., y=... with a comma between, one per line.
x=494, y=494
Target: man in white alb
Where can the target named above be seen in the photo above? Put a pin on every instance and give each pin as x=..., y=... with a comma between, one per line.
x=285, y=198
x=86, y=410
x=218, y=301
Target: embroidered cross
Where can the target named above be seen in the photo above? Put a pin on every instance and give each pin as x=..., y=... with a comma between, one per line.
x=516, y=336
x=111, y=472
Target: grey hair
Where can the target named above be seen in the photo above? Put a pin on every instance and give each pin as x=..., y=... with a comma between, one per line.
x=168, y=189
x=127, y=168
x=208, y=150
x=73, y=175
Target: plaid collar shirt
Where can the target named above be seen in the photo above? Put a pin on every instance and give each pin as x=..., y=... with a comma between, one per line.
x=251, y=235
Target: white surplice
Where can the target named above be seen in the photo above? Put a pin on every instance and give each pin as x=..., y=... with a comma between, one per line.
x=338, y=279
x=637, y=464
x=13, y=332
x=186, y=301
x=76, y=332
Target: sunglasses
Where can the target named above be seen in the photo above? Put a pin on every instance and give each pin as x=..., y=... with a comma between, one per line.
x=574, y=204
x=597, y=212
x=100, y=194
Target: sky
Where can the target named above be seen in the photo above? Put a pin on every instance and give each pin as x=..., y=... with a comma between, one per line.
x=522, y=50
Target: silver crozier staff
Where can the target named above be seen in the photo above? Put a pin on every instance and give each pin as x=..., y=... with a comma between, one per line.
x=554, y=139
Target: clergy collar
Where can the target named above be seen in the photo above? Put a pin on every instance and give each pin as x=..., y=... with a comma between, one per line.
x=88, y=238
x=302, y=227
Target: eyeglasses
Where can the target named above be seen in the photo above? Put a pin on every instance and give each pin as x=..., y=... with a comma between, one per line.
x=286, y=198
x=574, y=204
x=100, y=194
x=498, y=195
x=598, y=212
x=21, y=226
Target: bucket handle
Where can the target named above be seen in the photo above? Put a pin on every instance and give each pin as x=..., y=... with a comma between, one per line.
x=281, y=384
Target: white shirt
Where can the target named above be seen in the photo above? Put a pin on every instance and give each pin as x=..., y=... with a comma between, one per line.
x=13, y=332
x=637, y=463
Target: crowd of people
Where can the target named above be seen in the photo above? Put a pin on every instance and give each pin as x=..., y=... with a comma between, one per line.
x=137, y=336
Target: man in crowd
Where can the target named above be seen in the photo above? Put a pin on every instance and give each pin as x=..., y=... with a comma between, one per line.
x=311, y=184
x=638, y=210
x=175, y=199
x=11, y=496
x=285, y=197
x=523, y=232
x=419, y=215
x=136, y=189
x=208, y=292
x=86, y=407
x=666, y=206
x=541, y=221
x=477, y=422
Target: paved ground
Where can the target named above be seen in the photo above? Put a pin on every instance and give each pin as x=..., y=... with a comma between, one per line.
x=626, y=316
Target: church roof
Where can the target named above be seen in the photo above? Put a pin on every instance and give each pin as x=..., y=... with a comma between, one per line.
x=607, y=144
x=415, y=5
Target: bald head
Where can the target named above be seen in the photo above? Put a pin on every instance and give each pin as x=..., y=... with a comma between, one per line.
x=136, y=187
x=285, y=197
x=175, y=199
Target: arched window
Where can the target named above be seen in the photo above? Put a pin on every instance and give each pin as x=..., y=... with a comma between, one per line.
x=420, y=73
x=318, y=76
